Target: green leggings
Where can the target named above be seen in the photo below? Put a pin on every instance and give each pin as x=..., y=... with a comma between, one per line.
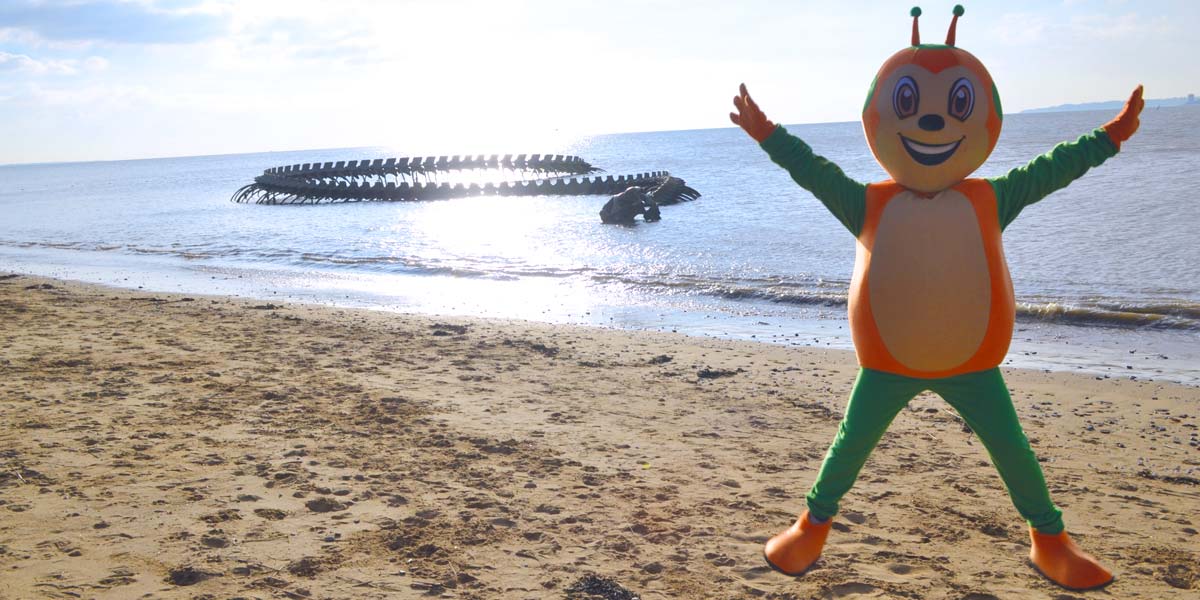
x=983, y=402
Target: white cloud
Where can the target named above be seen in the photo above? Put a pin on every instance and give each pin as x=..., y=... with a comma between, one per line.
x=95, y=63
x=114, y=21
x=314, y=73
x=22, y=37
x=91, y=96
x=1115, y=27
x=1030, y=29
x=1020, y=29
x=22, y=63
x=26, y=64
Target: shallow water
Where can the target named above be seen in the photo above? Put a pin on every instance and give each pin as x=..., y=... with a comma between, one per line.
x=1106, y=266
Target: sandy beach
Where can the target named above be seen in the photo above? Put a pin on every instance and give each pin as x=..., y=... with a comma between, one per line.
x=206, y=447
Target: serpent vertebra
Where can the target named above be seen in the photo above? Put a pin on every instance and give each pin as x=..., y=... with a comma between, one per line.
x=416, y=178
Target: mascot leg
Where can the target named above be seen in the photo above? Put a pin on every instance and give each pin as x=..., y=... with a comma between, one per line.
x=983, y=401
x=876, y=399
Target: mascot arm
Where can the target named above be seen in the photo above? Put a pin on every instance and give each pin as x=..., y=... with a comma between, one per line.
x=844, y=197
x=1052, y=171
x=1065, y=163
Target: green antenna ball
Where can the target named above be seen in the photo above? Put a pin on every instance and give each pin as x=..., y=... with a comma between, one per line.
x=959, y=10
x=915, y=12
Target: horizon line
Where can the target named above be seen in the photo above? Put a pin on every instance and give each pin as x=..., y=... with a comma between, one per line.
x=1030, y=111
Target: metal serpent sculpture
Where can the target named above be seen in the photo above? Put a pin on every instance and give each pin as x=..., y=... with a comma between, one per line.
x=432, y=178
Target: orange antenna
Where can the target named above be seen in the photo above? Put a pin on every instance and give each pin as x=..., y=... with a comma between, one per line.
x=958, y=12
x=916, y=12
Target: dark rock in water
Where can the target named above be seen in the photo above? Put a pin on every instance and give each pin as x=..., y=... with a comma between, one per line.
x=637, y=200
x=651, y=215
x=595, y=587
x=624, y=207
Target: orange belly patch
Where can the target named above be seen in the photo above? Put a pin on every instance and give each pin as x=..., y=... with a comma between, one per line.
x=929, y=285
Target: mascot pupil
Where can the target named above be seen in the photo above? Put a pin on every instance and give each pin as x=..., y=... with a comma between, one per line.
x=931, y=303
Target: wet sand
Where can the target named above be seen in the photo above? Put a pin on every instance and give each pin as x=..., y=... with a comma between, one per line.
x=208, y=447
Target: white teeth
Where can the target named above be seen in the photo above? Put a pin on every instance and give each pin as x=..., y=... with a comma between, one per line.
x=927, y=149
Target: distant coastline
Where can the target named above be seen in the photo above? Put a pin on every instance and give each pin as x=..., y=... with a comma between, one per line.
x=1190, y=99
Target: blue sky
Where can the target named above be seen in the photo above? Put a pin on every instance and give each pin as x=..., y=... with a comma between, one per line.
x=111, y=79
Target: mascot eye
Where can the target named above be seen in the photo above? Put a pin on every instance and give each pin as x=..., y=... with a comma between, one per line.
x=962, y=99
x=906, y=98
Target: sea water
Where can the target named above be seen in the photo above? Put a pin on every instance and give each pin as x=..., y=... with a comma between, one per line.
x=1106, y=271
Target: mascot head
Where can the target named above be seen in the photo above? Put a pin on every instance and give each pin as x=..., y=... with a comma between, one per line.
x=933, y=114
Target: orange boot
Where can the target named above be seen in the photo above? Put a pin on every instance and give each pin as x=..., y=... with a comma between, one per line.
x=1061, y=561
x=796, y=549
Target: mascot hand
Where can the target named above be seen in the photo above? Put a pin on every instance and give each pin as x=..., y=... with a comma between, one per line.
x=750, y=118
x=1122, y=127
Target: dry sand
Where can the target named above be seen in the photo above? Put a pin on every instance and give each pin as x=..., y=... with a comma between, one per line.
x=171, y=447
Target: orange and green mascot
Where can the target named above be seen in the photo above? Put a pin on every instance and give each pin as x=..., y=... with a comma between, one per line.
x=931, y=303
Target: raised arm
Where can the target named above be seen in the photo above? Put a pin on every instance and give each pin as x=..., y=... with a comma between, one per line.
x=1067, y=162
x=844, y=197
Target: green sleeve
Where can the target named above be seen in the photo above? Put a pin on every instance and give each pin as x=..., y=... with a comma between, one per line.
x=844, y=197
x=1052, y=171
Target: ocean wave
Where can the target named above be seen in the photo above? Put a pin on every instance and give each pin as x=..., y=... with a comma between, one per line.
x=1186, y=310
x=1170, y=314
x=1175, y=315
x=1107, y=312
x=800, y=297
x=1181, y=315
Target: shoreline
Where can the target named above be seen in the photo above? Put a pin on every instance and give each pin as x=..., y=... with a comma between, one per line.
x=1105, y=352
x=185, y=445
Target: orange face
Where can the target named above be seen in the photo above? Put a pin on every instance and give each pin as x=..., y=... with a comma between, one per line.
x=933, y=116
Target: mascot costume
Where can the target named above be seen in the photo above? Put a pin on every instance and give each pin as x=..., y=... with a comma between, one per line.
x=931, y=303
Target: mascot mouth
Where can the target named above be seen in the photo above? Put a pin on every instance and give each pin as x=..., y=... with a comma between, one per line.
x=929, y=154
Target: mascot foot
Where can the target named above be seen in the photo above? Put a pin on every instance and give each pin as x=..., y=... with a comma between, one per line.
x=1061, y=561
x=796, y=549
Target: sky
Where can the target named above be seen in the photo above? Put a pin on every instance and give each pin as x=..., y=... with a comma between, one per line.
x=118, y=79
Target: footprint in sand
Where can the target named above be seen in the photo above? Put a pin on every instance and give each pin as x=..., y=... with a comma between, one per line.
x=851, y=589
x=187, y=575
x=757, y=572
x=117, y=577
x=270, y=514
x=222, y=516
x=215, y=540
x=854, y=517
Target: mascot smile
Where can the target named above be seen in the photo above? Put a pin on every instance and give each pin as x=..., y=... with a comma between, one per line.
x=931, y=302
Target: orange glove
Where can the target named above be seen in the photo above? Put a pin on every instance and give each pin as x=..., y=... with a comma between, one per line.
x=1126, y=123
x=750, y=118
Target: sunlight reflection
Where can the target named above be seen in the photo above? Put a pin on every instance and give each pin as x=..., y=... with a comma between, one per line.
x=530, y=298
x=485, y=228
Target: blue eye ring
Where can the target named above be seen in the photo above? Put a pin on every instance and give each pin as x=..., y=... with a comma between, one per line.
x=967, y=89
x=906, y=92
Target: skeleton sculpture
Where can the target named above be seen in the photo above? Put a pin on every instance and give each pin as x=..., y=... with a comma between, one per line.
x=433, y=178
